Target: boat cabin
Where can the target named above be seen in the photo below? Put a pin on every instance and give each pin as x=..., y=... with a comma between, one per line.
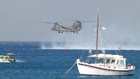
x=115, y=61
x=4, y=57
x=111, y=61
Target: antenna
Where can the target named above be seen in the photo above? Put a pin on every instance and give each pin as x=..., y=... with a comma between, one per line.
x=98, y=10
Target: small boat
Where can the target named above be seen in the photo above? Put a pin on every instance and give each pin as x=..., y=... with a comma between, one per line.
x=9, y=58
x=109, y=64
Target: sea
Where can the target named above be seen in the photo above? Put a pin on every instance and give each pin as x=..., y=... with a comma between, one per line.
x=33, y=62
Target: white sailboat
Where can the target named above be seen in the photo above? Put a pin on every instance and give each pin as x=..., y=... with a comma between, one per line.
x=110, y=65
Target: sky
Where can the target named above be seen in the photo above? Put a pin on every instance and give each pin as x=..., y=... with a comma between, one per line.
x=19, y=21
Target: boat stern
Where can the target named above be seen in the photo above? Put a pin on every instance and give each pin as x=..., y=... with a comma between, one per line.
x=12, y=60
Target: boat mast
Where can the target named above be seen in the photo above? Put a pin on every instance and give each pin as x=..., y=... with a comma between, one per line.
x=97, y=26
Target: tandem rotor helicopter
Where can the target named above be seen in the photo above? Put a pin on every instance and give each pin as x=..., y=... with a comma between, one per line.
x=75, y=28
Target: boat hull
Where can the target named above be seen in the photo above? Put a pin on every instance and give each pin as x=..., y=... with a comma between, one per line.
x=91, y=70
x=10, y=60
x=6, y=61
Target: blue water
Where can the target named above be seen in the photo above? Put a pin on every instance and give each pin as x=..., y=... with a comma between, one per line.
x=36, y=63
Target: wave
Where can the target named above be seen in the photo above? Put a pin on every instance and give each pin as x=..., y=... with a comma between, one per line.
x=19, y=60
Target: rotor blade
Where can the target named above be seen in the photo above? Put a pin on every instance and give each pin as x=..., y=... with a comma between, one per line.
x=49, y=22
x=46, y=22
x=87, y=21
x=81, y=20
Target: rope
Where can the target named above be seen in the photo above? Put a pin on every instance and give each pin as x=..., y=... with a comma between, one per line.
x=91, y=48
x=69, y=69
x=101, y=42
x=72, y=66
x=108, y=37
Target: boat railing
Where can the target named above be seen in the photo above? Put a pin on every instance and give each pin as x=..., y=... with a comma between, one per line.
x=129, y=66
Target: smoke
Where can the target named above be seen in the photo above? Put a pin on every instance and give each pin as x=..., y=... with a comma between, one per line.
x=122, y=35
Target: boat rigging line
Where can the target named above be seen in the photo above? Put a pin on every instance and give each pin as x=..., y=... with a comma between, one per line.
x=69, y=69
x=72, y=65
x=107, y=39
x=92, y=44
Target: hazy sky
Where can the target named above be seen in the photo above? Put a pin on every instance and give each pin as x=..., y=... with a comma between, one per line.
x=18, y=20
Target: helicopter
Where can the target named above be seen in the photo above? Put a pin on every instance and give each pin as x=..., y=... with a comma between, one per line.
x=77, y=26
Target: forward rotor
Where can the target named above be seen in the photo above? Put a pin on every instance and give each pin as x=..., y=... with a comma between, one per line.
x=51, y=22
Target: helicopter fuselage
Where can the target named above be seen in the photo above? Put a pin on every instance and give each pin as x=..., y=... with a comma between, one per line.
x=74, y=28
